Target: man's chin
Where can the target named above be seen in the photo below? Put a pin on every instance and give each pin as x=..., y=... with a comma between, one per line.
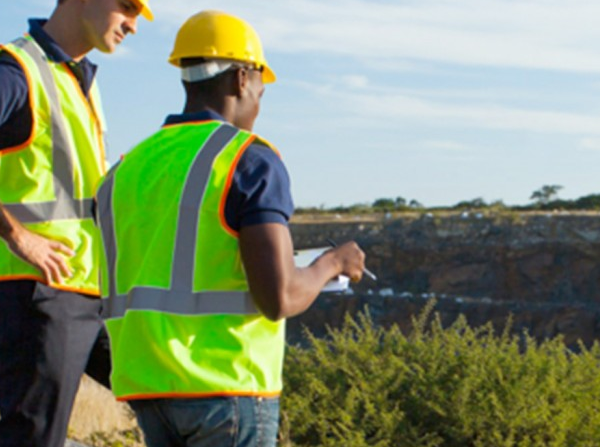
x=107, y=49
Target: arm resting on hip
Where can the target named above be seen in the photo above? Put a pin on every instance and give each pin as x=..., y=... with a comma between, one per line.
x=44, y=254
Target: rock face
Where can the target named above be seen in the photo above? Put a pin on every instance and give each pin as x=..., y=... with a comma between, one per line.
x=543, y=269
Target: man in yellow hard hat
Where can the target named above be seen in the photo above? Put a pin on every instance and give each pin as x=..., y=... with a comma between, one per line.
x=199, y=269
x=51, y=159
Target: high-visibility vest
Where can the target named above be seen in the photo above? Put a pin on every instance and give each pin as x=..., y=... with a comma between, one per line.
x=48, y=182
x=180, y=317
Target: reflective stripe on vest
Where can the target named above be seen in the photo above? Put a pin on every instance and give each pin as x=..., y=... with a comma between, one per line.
x=64, y=206
x=180, y=298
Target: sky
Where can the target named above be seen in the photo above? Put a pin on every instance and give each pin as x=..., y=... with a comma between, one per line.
x=438, y=101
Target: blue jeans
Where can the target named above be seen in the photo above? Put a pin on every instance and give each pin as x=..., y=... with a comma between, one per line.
x=211, y=422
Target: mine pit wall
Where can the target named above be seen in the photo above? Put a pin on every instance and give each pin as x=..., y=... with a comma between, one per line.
x=543, y=269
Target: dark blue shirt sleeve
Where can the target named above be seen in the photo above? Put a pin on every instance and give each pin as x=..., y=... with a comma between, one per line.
x=260, y=190
x=15, y=116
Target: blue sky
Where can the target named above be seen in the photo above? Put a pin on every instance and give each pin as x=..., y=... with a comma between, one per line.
x=434, y=100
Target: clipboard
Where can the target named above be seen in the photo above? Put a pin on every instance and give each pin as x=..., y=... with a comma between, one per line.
x=303, y=258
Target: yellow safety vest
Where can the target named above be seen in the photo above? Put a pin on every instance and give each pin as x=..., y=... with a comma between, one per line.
x=181, y=319
x=48, y=182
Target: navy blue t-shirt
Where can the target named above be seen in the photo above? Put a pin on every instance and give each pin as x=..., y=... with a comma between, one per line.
x=15, y=114
x=260, y=189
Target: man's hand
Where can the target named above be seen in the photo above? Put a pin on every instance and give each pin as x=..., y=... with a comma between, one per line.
x=45, y=254
x=351, y=260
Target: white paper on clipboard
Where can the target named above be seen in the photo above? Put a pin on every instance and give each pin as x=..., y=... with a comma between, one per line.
x=303, y=258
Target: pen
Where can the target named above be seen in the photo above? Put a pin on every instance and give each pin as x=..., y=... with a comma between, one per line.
x=366, y=271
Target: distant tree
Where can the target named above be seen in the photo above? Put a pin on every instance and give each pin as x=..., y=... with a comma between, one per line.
x=545, y=194
x=475, y=203
x=359, y=208
x=590, y=202
x=400, y=202
x=497, y=205
x=384, y=203
x=415, y=204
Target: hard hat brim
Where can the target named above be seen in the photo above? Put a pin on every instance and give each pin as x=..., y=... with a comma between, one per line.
x=147, y=14
x=145, y=10
x=268, y=76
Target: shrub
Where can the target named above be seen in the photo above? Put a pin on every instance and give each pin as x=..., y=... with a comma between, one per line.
x=456, y=387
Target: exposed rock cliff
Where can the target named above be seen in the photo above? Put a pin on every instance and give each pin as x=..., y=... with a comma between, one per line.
x=542, y=268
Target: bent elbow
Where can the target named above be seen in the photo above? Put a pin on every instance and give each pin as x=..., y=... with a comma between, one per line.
x=276, y=312
x=274, y=316
x=275, y=307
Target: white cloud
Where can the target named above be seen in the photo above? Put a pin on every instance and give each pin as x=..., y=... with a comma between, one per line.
x=355, y=81
x=477, y=116
x=540, y=34
x=590, y=144
x=388, y=107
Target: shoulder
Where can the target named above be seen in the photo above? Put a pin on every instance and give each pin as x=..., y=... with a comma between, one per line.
x=261, y=169
x=11, y=69
x=13, y=81
x=258, y=155
x=260, y=190
x=14, y=89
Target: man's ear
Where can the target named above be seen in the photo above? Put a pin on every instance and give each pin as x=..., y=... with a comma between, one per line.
x=242, y=81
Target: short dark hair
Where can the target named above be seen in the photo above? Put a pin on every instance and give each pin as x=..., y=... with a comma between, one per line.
x=190, y=61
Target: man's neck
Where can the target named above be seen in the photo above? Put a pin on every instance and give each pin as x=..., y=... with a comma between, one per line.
x=65, y=28
x=192, y=107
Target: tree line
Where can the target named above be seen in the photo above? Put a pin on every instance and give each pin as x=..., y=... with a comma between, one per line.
x=544, y=199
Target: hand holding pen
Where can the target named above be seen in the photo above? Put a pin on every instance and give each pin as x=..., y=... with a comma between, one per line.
x=364, y=270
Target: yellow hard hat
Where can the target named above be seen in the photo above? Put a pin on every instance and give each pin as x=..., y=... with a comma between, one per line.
x=145, y=9
x=217, y=35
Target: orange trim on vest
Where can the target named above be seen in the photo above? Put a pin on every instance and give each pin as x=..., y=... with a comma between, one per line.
x=227, y=187
x=31, y=105
x=40, y=279
x=167, y=126
x=267, y=395
x=22, y=277
x=275, y=150
x=92, y=292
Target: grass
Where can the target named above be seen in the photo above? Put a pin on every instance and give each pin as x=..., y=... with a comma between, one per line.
x=98, y=420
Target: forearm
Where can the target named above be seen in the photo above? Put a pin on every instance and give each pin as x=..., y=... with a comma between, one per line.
x=303, y=285
x=9, y=225
x=279, y=288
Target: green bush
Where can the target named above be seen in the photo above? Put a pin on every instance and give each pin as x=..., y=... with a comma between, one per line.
x=456, y=387
x=124, y=438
